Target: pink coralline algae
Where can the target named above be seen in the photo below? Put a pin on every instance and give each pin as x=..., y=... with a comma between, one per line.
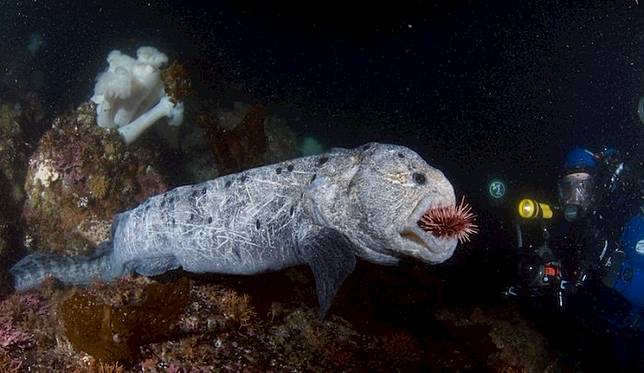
x=79, y=177
x=11, y=334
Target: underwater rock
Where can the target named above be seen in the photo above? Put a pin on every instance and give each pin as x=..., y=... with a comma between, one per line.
x=114, y=330
x=281, y=140
x=79, y=177
x=4, y=234
x=187, y=326
x=309, y=344
x=13, y=150
x=507, y=341
x=5, y=246
x=240, y=147
x=18, y=114
x=241, y=138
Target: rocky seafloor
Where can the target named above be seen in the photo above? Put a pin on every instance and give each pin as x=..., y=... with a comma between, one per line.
x=261, y=323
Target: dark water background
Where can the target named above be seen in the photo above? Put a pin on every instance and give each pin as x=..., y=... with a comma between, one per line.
x=481, y=89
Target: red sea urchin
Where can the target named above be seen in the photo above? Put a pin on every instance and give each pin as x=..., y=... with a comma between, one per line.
x=450, y=221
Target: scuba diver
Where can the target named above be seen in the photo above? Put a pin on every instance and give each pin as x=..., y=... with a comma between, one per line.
x=593, y=259
x=598, y=195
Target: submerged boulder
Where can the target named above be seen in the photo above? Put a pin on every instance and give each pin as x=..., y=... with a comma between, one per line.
x=79, y=177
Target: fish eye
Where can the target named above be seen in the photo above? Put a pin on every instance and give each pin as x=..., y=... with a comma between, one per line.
x=419, y=178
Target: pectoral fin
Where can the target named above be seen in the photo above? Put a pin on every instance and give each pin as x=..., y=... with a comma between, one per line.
x=331, y=258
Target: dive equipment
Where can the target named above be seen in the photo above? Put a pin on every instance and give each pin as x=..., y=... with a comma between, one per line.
x=533, y=209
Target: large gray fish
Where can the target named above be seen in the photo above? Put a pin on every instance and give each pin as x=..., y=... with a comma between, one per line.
x=374, y=202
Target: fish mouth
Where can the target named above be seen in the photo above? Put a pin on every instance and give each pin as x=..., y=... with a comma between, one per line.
x=440, y=248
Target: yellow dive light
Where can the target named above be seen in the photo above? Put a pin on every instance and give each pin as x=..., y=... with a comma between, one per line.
x=532, y=209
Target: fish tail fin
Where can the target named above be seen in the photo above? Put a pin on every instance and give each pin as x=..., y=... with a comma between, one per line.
x=34, y=268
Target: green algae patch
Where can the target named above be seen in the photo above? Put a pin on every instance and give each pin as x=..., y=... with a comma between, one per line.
x=115, y=333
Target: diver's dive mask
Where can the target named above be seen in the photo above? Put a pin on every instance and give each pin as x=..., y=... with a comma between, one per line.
x=576, y=194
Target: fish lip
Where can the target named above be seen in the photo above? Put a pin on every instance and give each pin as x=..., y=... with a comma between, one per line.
x=412, y=232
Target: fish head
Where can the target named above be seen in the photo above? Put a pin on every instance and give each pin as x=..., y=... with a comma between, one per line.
x=391, y=190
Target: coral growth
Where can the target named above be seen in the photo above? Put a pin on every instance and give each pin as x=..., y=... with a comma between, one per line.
x=20, y=320
x=98, y=186
x=79, y=176
x=11, y=336
x=176, y=81
x=9, y=364
x=100, y=367
x=236, y=308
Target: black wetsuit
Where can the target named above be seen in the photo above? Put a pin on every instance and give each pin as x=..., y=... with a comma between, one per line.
x=592, y=244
